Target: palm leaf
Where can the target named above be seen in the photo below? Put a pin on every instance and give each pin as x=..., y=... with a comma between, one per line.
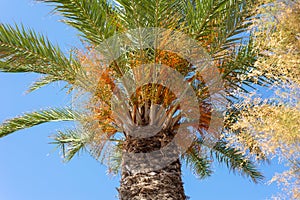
x=219, y=24
x=35, y=118
x=199, y=164
x=232, y=25
x=152, y=13
x=71, y=142
x=23, y=50
x=93, y=18
x=45, y=80
x=198, y=14
x=234, y=160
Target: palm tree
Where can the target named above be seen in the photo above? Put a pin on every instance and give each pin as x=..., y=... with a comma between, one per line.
x=107, y=127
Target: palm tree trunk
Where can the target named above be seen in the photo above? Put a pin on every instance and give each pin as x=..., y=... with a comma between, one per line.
x=161, y=184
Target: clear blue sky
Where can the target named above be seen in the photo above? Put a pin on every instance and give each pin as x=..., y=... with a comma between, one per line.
x=30, y=169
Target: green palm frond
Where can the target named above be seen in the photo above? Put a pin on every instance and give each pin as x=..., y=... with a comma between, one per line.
x=236, y=69
x=198, y=14
x=224, y=22
x=94, y=19
x=222, y=26
x=10, y=68
x=71, y=142
x=232, y=25
x=152, y=13
x=35, y=118
x=23, y=50
x=111, y=156
x=234, y=160
x=115, y=160
x=199, y=164
x=45, y=80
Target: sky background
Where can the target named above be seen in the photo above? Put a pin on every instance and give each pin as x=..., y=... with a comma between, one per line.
x=31, y=168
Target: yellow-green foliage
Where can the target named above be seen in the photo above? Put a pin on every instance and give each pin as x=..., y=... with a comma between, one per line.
x=278, y=40
x=275, y=127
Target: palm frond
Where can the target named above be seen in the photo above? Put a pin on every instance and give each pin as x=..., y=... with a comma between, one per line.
x=152, y=13
x=71, y=142
x=237, y=71
x=199, y=164
x=112, y=157
x=10, y=68
x=93, y=18
x=35, y=118
x=234, y=160
x=23, y=50
x=198, y=14
x=232, y=25
x=45, y=80
x=219, y=24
